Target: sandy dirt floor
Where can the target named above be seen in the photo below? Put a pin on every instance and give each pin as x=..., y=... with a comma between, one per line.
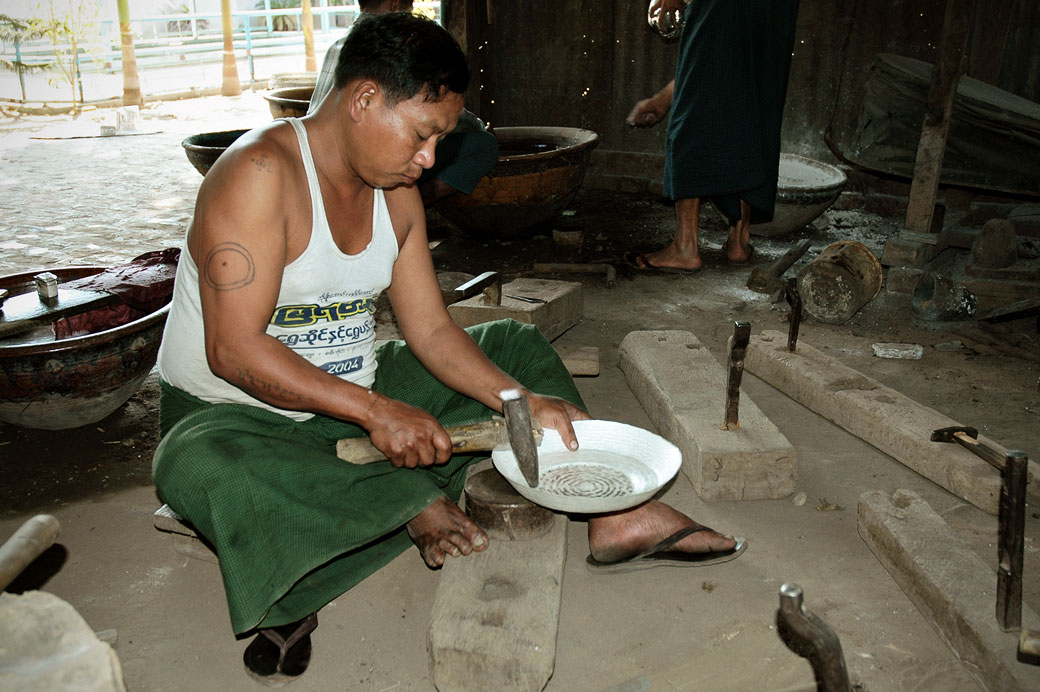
x=709, y=628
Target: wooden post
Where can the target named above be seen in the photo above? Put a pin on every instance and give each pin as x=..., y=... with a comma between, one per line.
x=946, y=73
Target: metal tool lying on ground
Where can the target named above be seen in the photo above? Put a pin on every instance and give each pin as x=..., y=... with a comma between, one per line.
x=738, y=344
x=767, y=279
x=814, y=640
x=1011, y=519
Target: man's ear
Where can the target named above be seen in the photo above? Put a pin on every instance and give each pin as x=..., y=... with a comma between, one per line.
x=363, y=96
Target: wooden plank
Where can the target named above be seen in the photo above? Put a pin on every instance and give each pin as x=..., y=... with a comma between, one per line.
x=949, y=66
x=496, y=614
x=887, y=419
x=26, y=311
x=948, y=582
x=581, y=361
x=682, y=388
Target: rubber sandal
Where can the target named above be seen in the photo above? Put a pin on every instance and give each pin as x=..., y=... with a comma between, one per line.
x=661, y=555
x=279, y=655
x=640, y=262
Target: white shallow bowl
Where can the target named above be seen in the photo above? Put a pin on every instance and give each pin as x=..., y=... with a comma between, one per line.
x=616, y=466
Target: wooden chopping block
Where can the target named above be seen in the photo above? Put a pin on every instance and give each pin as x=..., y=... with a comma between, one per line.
x=496, y=613
x=552, y=306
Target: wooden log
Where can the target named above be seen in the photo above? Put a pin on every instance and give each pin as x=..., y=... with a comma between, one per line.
x=27, y=543
x=947, y=72
x=894, y=423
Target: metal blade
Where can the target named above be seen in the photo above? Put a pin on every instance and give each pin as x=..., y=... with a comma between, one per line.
x=521, y=437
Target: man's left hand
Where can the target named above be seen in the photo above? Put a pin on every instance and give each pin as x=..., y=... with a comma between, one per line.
x=557, y=414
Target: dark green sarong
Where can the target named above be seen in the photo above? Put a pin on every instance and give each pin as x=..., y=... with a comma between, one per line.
x=727, y=108
x=293, y=525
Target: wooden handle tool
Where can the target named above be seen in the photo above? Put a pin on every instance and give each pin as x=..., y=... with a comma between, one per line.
x=473, y=437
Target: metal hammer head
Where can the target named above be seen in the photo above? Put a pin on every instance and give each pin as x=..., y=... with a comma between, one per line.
x=521, y=438
x=947, y=434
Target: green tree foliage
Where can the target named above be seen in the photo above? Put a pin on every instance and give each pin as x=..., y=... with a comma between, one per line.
x=19, y=31
x=71, y=27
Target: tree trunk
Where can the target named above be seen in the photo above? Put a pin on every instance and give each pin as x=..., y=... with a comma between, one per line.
x=131, y=81
x=307, y=20
x=230, y=86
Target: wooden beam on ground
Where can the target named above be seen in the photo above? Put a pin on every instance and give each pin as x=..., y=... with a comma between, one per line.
x=581, y=361
x=948, y=582
x=496, y=614
x=682, y=388
x=946, y=73
x=887, y=419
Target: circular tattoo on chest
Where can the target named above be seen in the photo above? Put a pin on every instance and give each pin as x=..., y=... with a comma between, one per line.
x=228, y=266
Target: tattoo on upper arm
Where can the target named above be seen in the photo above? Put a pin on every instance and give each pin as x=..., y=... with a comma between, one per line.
x=228, y=266
x=262, y=163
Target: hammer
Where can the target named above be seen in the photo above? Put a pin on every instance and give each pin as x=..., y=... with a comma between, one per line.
x=767, y=280
x=516, y=430
x=1011, y=519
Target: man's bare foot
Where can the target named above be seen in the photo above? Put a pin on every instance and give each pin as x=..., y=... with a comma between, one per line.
x=621, y=535
x=443, y=529
x=670, y=258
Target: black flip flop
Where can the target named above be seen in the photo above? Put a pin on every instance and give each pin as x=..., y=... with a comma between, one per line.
x=661, y=555
x=279, y=655
x=641, y=263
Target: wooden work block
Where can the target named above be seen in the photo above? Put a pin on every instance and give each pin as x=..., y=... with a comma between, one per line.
x=948, y=582
x=552, y=306
x=496, y=613
x=581, y=361
x=892, y=422
x=682, y=388
x=906, y=253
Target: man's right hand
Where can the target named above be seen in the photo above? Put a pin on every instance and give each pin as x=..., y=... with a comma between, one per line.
x=408, y=436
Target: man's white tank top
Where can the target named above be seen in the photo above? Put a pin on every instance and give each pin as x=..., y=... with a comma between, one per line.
x=325, y=310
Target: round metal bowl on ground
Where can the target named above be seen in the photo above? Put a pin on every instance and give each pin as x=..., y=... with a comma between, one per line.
x=538, y=173
x=289, y=102
x=616, y=466
x=805, y=189
x=204, y=149
x=59, y=384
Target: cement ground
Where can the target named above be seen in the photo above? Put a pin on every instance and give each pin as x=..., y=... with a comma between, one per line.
x=100, y=201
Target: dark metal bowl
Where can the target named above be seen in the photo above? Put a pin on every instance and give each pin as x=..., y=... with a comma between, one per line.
x=204, y=149
x=539, y=171
x=289, y=102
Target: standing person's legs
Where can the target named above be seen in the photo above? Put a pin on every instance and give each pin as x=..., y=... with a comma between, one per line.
x=738, y=247
x=684, y=250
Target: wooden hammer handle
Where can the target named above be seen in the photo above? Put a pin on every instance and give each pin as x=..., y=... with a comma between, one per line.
x=473, y=437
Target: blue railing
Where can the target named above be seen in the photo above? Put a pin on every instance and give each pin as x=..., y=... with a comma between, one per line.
x=170, y=40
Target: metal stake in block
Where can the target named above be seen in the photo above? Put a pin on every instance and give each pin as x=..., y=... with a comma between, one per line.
x=738, y=344
x=1011, y=540
x=810, y=637
x=794, y=299
x=490, y=283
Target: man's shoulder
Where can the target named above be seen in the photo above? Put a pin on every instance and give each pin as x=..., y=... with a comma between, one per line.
x=271, y=149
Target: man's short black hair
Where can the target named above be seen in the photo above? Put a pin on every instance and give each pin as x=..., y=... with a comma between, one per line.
x=405, y=54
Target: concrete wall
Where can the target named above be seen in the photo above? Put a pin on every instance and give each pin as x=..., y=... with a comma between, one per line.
x=584, y=63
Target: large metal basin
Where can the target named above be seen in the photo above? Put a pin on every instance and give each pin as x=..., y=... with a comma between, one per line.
x=805, y=189
x=56, y=385
x=538, y=173
x=289, y=102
